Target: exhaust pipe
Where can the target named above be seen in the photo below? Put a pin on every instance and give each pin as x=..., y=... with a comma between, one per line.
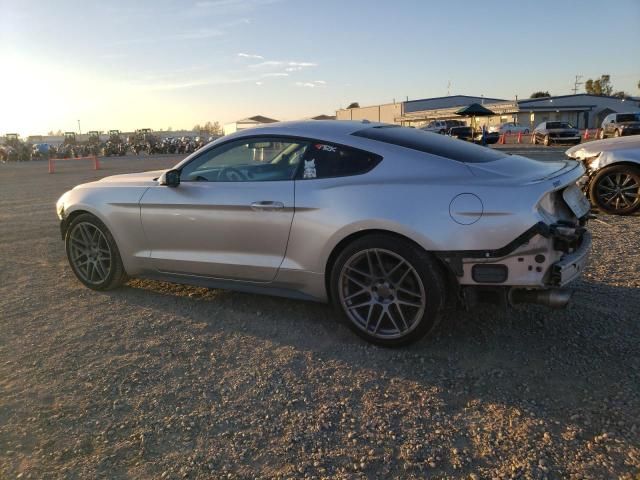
x=552, y=298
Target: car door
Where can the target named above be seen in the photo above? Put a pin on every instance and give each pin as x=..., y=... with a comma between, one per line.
x=231, y=214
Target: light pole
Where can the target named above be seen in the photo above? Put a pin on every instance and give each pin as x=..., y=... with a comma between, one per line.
x=79, y=129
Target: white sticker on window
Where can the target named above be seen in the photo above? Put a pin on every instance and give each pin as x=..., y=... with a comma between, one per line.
x=326, y=148
x=309, y=168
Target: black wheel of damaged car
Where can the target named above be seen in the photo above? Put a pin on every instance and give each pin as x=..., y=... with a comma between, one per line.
x=390, y=291
x=616, y=190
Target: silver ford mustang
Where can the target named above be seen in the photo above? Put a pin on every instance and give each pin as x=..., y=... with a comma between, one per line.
x=388, y=223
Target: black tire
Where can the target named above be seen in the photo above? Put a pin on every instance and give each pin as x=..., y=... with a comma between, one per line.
x=601, y=186
x=114, y=275
x=418, y=263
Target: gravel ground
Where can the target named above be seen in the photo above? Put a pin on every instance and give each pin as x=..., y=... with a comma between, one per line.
x=162, y=381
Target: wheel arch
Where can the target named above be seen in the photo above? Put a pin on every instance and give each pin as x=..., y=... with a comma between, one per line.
x=623, y=163
x=448, y=275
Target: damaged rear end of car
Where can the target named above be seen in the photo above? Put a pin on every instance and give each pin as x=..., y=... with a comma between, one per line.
x=538, y=264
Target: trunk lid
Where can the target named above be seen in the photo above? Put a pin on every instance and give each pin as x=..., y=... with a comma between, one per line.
x=524, y=170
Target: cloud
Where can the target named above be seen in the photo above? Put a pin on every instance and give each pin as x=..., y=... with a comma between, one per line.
x=251, y=55
x=289, y=66
x=302, y=64
x=314, y=84
x=275, y=74
x=259, y=83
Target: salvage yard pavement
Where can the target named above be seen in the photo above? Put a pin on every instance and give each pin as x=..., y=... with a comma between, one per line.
x=156, y=380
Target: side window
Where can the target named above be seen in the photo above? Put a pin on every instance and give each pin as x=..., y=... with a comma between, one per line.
x=324, y=160
x=254, y=159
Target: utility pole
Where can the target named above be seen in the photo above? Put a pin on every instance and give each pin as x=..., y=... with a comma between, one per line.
x=576, y=84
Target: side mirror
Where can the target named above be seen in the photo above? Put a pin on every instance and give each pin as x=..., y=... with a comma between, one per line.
x=170, y=178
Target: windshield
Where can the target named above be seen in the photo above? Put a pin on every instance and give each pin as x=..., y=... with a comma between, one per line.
x=629, y=117
x=432, y=143
x=552, y=125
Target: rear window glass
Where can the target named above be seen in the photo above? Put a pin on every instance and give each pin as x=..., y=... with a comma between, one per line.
x=551, y=125
x=432, y=143
x=628, y=117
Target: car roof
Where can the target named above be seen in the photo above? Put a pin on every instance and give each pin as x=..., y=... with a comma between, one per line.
x=311, y=128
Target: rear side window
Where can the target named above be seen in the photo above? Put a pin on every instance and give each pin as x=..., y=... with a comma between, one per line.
x=324, y=160
x=432, y=143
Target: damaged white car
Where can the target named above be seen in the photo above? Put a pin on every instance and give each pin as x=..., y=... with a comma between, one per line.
x=612, y=179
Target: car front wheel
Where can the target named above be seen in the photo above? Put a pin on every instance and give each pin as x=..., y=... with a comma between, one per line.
x=390, y=291
x=616, y=190
x=93, y=254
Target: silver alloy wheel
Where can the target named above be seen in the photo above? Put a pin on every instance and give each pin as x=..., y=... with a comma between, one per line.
x=381, y=293
x=618, y=191
x=90, y=253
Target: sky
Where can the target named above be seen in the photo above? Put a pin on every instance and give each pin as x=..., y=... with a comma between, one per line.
x=169, y=63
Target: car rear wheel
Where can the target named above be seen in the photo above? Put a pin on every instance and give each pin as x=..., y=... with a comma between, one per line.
x=616, y=190
x=390, y=291
x=93, y=254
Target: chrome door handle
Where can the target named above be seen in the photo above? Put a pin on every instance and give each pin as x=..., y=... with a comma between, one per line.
x=267, y=205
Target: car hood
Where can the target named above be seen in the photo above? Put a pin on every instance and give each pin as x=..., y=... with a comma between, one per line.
x=141, y=178
x=516, y=168
x=592, y=149
x=560, y=130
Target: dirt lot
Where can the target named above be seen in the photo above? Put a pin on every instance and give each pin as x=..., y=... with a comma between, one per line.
x=162, y=381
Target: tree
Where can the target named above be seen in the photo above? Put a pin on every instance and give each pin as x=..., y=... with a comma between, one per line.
x=621, y=94
x=212, y=128
x=54, y=134
x=540, y=94
x=599, y=86
x=353, y=105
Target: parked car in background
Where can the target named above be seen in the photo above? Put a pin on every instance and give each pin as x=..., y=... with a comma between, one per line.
x=620, y=125
x=508, y=127
x=461, y=133
x=491, y=224
x=442, y=126
x=489, y=137
x=612, y=179
x=549, y=133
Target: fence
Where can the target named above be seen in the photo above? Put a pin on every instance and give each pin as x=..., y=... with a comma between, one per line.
x=52, y=167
